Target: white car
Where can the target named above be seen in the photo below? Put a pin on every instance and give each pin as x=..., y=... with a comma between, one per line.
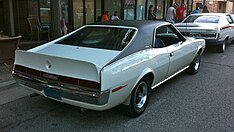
x=216, y=28
x=105, y=64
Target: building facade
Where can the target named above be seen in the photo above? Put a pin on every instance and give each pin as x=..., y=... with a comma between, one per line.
x=14, y=13
x=215, y=6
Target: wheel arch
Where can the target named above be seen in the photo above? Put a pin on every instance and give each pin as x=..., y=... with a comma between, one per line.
x=227, y=39
x=146, y=73
x=200, y=50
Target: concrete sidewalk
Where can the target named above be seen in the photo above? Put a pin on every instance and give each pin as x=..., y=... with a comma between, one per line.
x=5, y=74
x=9, y=89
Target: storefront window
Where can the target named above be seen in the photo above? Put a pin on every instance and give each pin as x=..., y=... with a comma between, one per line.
x=140, y=10
x=64, y=10
x=112, y=6
x=150, y=2
x=159, y=9
x=78, y=13
x=186, y=11
x=45, y=12
x=167, y=5
x=33, y=8
x=89, y=11
x=189, y=6
x=98, y=10
x=129, y=10
x=178, y=2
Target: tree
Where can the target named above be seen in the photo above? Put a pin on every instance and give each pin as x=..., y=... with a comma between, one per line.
x=55, y=19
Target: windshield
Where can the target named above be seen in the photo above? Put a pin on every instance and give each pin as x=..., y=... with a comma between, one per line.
x=202, y=19
x=111, y=38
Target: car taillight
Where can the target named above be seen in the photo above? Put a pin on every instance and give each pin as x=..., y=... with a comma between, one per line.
x=20, y=68
x=89, y=84
x=68, y=80
x=213, y=35
x=56, y=78
x=80, y=82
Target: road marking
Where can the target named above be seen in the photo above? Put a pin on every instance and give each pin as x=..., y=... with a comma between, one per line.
x=13, y=94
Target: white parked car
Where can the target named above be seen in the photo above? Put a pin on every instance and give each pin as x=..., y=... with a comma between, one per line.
x=216, y=28
x=102, y=65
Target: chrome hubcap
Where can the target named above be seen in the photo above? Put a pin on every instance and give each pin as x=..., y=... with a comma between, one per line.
x=141, y=95
x=197, y=63
x=224, y=46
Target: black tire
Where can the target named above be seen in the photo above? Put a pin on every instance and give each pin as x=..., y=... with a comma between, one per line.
x=139, y=98
x=221, y=48
x=195, y=65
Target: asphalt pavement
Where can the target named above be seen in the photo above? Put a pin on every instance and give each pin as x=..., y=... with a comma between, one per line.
x=192, y=103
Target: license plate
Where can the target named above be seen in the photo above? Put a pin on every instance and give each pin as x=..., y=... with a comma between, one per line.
x=53, y=93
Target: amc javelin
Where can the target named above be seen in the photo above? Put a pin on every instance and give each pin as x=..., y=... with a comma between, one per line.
x=105, y=64
x=216, y=28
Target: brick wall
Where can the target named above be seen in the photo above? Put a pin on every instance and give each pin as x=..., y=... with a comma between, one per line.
x=216, y=6
x=213, y=6
x=229, y=7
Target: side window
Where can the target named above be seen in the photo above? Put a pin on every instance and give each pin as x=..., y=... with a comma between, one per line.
x=232, y=16
x=165, y=36
x=229, y=19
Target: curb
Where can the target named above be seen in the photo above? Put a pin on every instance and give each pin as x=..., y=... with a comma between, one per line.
x=7, y=83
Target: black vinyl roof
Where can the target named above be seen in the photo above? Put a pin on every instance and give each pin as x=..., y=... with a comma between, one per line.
x=144, y=37
x=131, y=23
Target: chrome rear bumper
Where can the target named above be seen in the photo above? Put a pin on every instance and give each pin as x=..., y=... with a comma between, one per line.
x=58, y=90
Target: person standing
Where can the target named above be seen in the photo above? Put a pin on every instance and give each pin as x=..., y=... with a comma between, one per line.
x=196, y=10
x=63, y=26
x=151, y=13
x=180, y=12
x=105, y=16
x=205, y=10
x=115, y=16
x=171, y=14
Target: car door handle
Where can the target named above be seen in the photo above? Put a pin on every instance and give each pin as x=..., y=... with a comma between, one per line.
x=172, y=54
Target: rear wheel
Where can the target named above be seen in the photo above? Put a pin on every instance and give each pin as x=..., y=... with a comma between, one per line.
x=221, y=48
x=195, y=65
x=139, y=98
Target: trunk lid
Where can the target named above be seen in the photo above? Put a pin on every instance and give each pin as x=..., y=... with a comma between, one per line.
x=196, y=27
x=70, y=61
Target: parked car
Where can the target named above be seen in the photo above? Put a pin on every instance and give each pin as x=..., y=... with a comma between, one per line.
x=216, y=28
x=105, y=64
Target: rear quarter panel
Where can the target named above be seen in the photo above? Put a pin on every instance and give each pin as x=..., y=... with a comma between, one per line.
x=128, y=71
x=197, y=45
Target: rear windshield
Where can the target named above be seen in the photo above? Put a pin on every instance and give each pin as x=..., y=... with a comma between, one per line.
x=111, y=38
x=202, y=19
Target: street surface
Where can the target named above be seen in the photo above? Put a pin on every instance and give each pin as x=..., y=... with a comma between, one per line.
x=201, y=102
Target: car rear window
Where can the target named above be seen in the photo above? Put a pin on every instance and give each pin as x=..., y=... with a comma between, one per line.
x=202, y=19
x=111, y=38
